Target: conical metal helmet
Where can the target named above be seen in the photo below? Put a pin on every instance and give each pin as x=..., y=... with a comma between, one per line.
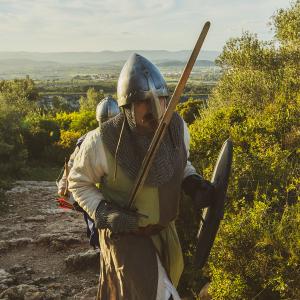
x=140, y=80
x=106, y=109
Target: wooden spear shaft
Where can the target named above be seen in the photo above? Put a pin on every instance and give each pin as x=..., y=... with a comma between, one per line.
x=65, y=194
x=163, y=124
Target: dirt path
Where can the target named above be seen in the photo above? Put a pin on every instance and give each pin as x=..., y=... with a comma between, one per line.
x=44, y=251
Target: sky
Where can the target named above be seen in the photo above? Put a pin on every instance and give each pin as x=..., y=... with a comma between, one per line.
x=96, y=25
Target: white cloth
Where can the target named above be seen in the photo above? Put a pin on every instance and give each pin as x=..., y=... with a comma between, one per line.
x=89, y=166
x=62, y=184
x=165, y=289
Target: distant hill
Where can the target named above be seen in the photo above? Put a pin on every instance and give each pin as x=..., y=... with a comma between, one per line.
x=25, y=63
x=178, y=63
x=68, y=64
x=105, y=56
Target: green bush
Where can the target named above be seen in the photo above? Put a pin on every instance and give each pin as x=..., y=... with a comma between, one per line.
x=90, y=102
x=13, y=154
x=17, y=98
x=20, y=95
x=256, y=252
x=39, y=132
x=190, y=109
x=256, y=103
x=53, y=138
x=80, y=122
x=187, y=226
x=68, y=139
x=84, y=122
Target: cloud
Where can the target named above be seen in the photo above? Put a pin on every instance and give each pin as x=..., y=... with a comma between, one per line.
x=49, y=25
x=53, y=16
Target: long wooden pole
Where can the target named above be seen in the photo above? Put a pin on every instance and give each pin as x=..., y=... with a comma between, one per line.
x=65, y=194
x=159, y=134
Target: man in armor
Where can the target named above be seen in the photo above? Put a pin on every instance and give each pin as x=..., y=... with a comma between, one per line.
x=141, y=253
x=106, y=109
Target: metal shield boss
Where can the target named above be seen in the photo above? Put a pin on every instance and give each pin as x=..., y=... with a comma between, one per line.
x=212, y=216
x=140, y=80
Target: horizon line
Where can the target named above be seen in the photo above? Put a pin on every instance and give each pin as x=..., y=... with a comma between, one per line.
x=24, y=51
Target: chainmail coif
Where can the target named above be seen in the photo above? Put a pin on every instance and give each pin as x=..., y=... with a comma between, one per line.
x=133, y=148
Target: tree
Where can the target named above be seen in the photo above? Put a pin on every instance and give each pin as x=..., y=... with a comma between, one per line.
x=60, y=104
x=90, y=102
x=286, y=23
x=256, y=103
x=17, y=98
x=21, y=94
x=190, y=110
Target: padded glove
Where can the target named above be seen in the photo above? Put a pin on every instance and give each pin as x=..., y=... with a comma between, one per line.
x=117, y=219
x=200, y=190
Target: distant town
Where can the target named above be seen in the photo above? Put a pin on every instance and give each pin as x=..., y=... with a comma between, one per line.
x=65, y=77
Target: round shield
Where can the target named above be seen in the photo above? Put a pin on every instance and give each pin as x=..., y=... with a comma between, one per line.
x=212, y=216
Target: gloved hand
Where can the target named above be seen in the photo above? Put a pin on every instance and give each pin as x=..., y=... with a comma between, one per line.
x=200, y=190
x=117, y=219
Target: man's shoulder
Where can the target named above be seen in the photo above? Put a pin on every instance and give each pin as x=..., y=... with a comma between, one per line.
x=92, y=137
x=113, y=124
x=93, y=133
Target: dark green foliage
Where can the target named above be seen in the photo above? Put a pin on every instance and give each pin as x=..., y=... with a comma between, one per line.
x=257, y=252
x=249, y=52
x=12, y=152
x=39, y=133
x=107, y=87
x=190, y=109
x=52, y=138
x=84, y=122
x=17, y=98
x=26, y=133
x=194, y=88
x=19, y=94
x=60, y=104
x=287, y=24
x=90, y=102
x=187, y=226
x=265, y=145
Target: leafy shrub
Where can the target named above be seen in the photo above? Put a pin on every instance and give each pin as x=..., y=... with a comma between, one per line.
x=257, y=252
x=256, y=103
x=90, y=102
x=13, y=154
x=83, y=122
x=39, y=132
x=20, y=95
x=68, y=139
x=190, y=109
x=80, y=122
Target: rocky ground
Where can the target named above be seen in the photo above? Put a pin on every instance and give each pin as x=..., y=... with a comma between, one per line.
x=44, y=251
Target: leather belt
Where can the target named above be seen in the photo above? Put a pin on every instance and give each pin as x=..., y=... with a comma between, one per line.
x=149, y=230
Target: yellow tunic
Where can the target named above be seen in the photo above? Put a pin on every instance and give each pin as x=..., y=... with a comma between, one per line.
x=118, y=251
